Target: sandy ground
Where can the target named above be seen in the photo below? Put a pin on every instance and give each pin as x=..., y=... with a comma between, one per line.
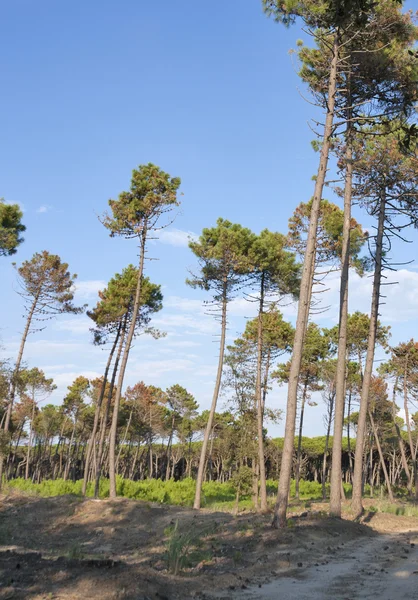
x=385, y=568
x=67, y=548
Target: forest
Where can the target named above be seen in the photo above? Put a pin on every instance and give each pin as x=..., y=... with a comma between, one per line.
x=361, y=72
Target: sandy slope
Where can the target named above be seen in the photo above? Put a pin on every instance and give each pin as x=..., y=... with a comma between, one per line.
x=68, y=548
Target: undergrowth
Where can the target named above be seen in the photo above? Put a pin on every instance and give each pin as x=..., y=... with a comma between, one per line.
x=216, y=495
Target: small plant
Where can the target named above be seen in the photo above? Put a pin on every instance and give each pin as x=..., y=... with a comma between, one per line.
x=178, y=548
x=75, y=552
x=242, y=481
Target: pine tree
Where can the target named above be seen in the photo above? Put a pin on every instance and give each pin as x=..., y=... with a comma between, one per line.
x=10, y=228
x=222, y=252
x=136, y=214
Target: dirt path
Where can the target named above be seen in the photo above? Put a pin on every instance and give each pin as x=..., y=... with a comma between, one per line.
x=385, y=568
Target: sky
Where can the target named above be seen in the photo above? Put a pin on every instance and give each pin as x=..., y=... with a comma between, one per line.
x=207, y=91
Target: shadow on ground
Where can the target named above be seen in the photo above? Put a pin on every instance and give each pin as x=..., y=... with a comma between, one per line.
x=68, y=548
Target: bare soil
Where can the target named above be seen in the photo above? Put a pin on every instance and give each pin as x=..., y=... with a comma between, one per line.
x=68, y=548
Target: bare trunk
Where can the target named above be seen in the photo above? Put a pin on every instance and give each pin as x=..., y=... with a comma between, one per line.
x=336, y=479
x=69, y=455
x=170, y=441
x=124, y=439
x=259, y=401
x=124, y=362
x=382, y=460
x=357, y=504
x=280, y=518
x=202, y=461
x=92, y=440
x=30, y=441
x=100, y=449
x=408, y=421
x=324, y=462
x=12, y=392
x=299, y=450
x=350, y=459
x=400, y=440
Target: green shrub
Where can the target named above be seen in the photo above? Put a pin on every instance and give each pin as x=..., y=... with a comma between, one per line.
x=179, y=548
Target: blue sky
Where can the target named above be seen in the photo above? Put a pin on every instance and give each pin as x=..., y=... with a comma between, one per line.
x=209, y=92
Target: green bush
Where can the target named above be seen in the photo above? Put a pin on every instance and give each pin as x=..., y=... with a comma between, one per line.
x=215, y=495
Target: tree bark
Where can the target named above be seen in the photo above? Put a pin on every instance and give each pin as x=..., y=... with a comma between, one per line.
x=100, y=449
x=92, y=440
x=336, y=479
x=400, y=440
x=299, y=450
x=357, y=504
x=12, y=393
x=280, y=518
x=202, y=461
x=124, y=362
x=382, y=460
x=30, y=441
x=324, y=462
x=259, y=401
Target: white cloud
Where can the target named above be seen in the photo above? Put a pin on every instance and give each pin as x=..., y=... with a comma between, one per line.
x=48, y=348
x=398, y=302
x=186, y=304
x=63, y=367
x=182, y=344
x=77, y=325
x=187, y=323
x=89, y=288
x=43, y=208
x=155, y=368
x=63, y=380
x=176, y=237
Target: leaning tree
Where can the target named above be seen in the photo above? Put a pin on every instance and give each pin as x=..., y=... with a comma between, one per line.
x=222, y=252
x=137, y=214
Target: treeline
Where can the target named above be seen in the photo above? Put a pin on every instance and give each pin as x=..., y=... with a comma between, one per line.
x=362, y=74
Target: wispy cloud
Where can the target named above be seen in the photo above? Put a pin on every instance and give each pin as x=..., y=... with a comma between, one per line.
x=77, y=325
x=176, y=237
x=154, y=368
x=187, y=323
x=89, y=288
x=44, y=208
x=399, y=295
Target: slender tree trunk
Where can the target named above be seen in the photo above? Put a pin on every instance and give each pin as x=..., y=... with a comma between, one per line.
x=336, y=479
x=280, y=518
x=400, y=440
x=168, y=456
x=350, y=458
x=202, y=461
x=324, y=462
x=12, y=392
x=30, y=441
x=382, y=460
x=124, y=439
x=357, y=504
x=100, y=449
x=132, y=473
x=259, y=400
x=407, y=419
x=69, y=454
x=92, y=440
x=299, y=450
x=124, y=362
